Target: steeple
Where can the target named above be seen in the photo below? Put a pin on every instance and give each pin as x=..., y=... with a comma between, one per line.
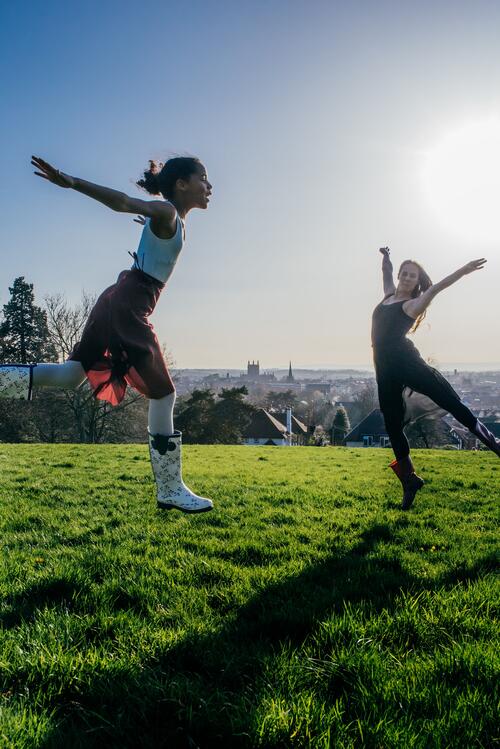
x=290, y=377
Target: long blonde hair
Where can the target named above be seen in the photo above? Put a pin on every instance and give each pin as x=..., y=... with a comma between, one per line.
x=424, y=282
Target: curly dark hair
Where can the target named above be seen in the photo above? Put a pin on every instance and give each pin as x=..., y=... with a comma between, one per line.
x=160, y=179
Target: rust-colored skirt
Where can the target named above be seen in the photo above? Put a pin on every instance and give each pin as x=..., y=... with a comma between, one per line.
x=118, y=344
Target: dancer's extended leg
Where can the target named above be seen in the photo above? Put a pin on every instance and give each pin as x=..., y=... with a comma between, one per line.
x=165, y=450
x=69, y=375
x=18, y=380
x=430, y=382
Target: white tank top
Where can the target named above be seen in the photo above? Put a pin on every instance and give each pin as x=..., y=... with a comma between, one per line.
x=157, y=257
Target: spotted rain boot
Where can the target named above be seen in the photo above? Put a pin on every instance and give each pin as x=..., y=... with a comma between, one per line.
x=16, y=381
x=173, y=493
x=410, y=482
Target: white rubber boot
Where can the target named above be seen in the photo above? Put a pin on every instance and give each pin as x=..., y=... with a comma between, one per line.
x=173, y=493
x=16, y=381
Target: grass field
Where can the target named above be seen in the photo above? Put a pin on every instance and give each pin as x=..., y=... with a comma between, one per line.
x=306, y=610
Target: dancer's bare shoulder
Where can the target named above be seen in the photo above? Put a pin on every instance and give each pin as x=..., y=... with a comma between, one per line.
x=162, y=214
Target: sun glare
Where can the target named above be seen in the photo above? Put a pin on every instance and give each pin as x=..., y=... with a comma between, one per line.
x=461, y=177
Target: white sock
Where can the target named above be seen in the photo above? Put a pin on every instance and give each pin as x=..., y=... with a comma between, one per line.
x=161, y=415
x=68, y=375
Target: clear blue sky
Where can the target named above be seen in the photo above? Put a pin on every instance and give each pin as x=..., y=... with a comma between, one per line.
x=312, y=118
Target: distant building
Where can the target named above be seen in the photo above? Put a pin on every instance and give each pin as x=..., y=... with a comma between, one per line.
x=253, y=370
x=370, y=432
x=265, y=429
x=253, y=374
x=321, y=387
x=494, y=427
x=460, y=436
x=299, y=430
x=290, y=377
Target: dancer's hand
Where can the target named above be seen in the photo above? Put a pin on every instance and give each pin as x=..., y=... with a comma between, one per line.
x=140, y=220
x=51, y=173
x=415, y=307
x=474, y=265
x=386, y=262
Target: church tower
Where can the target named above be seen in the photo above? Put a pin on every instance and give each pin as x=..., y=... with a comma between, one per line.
x=290, y=377
x=253, y=369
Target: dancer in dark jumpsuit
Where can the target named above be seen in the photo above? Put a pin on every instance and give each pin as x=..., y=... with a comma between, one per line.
x=398, y=364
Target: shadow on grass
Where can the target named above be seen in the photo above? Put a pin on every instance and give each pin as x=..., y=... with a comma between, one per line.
x=190, y=695
x=25, y=606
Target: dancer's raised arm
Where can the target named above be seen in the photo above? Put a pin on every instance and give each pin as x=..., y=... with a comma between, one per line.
x=415, y=307
x=161, y=210
x=387, y=269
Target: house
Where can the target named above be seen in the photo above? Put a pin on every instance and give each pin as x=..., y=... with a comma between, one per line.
x=299, y=430
x=370, y=432
x=493, y=426
x=461, y=437
x=315, y=387
x=464, y=439
x=265, y=429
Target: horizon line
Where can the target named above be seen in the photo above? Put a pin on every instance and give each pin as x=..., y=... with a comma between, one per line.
x=469, y=366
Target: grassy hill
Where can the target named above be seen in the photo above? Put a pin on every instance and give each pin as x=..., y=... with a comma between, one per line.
x=305, y=610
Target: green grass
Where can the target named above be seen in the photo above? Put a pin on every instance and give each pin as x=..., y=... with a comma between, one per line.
x=305, y=610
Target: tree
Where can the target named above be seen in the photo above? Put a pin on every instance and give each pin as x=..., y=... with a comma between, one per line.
x=424, y=426
x=364, y=402
x=93, y=420
x=194, y=416
x=204, y=418
x=279, y=401
x=65, y=324
x=24, y=339
x=427, y=431
x=340, y=426
x=231, y=415
x=24, y=334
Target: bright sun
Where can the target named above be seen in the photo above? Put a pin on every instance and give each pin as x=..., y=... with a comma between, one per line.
x=461, y=177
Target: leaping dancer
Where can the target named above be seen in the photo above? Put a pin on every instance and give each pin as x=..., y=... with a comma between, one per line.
x=118, y=345
x=398, y=364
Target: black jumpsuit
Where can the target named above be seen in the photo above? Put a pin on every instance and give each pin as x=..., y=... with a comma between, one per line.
x=398, y=365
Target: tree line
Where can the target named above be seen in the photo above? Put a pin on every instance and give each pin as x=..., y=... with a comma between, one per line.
x=30, y=333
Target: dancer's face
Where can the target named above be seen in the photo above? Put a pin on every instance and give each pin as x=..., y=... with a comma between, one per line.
x=197, y=189
x=408, y=277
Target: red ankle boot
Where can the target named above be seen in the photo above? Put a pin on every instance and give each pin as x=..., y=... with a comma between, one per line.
x=410, y=482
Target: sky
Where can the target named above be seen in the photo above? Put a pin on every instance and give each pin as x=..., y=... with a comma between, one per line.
x=328, y=129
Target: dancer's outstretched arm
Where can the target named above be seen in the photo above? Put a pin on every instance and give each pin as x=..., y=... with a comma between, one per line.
x=160, y=210
x=415, y=307
x=389, y=287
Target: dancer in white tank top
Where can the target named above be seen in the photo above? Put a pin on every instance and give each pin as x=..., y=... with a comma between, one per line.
x=118, y=346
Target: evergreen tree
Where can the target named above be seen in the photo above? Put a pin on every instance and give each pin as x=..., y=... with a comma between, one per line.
x=24, y=335
x=279, y=401
x=231, y=415
x=341, y=426
x=195, y=416
x=205, y=419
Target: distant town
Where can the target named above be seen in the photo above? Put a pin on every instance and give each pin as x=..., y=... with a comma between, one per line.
x=479, y=390
x=300, y=406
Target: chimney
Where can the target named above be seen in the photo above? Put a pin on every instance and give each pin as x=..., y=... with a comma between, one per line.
x=289, y=424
